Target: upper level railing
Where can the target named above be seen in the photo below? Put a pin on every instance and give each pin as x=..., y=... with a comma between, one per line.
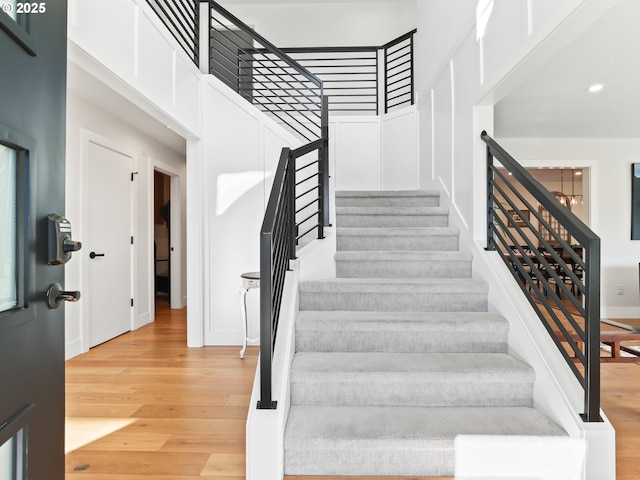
x=349, y=75
x=182, y=19
x=555, y=259
x=288, y=82
x=352, y=76
x=264, y=75
x=399, y=87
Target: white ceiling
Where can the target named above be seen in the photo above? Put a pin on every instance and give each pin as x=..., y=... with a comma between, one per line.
x=554, y=103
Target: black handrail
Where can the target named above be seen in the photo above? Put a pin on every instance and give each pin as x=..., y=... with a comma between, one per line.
x=398, y=54
x=279, y=236
x=556, y=263
x=263, y=74
x=237, y=23
x=182, y=19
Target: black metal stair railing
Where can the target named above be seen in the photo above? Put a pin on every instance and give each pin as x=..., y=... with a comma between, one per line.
x=399, y=87
x=264, y=75
x=299, y=196
x=182, y=19
x=299, y=199
x=555, y=258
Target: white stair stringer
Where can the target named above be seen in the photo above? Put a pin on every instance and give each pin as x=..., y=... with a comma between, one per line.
x=397, y=360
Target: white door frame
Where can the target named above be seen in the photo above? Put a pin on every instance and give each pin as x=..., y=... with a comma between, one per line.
x=175, y=243
x=88, y=137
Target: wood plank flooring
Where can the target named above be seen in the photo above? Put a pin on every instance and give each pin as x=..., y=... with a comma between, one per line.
x=145, y=407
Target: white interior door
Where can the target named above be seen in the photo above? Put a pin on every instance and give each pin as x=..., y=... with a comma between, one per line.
x=109, y=247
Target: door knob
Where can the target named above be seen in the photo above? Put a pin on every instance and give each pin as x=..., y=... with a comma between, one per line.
x=94, y=255
x=55, y=296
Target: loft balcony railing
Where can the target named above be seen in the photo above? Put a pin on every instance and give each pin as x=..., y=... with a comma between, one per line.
x=555, y=258
x=358, y=80
x=362, y=80
x=264, y=75
x=398, y=71
x=182, y=19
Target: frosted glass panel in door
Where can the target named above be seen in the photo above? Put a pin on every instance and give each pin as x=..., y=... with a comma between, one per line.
x=7, y=460
x=8, y=239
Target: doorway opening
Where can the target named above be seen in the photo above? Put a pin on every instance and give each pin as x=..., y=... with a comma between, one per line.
x=162, y=237
x=167, y=275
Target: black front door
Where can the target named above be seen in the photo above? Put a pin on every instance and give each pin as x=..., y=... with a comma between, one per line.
x=32, y=158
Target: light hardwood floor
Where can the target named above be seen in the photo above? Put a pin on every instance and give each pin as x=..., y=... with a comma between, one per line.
x=145, y=407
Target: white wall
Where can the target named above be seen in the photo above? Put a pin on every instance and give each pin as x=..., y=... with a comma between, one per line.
x=458, y=75
x=240, y=155
x=375, y=152
x=323, y=24
x=133, y=45
x=125, y=48
x=610, y=162
x=83, y=121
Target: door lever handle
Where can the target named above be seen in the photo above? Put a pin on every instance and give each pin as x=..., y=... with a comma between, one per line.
x=94, y=255
x=55, y=296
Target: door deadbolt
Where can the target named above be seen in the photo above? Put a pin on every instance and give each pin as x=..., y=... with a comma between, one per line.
x=55, y=296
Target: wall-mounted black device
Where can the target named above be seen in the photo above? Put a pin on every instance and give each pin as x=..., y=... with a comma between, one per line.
x=59, y=240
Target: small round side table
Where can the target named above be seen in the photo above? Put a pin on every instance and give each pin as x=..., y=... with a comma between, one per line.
x=249, y=280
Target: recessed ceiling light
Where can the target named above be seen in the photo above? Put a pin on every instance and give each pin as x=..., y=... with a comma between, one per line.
x=579, y=172
x=596, y=87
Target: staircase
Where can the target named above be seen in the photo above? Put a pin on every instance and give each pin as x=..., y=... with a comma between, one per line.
x=398, y=356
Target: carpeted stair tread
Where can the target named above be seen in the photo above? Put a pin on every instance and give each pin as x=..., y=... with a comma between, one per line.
x=402, y=285
x=395, y=256
x=401, y=441
x=396, y=211
x=393, y=264
x=412, y=216
x=425, y=198
x=385, y=193
x=410, y=379
x=438, y=366
x=349, y=331
x=414, y=424
x=425, y=321
x=398, y=231
x=397, y=238
x=395, y=294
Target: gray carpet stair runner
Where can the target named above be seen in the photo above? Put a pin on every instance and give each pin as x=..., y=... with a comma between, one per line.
x=398, y=355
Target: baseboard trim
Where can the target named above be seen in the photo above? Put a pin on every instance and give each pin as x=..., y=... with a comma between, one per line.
x=620, y=312
x=72, y=349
